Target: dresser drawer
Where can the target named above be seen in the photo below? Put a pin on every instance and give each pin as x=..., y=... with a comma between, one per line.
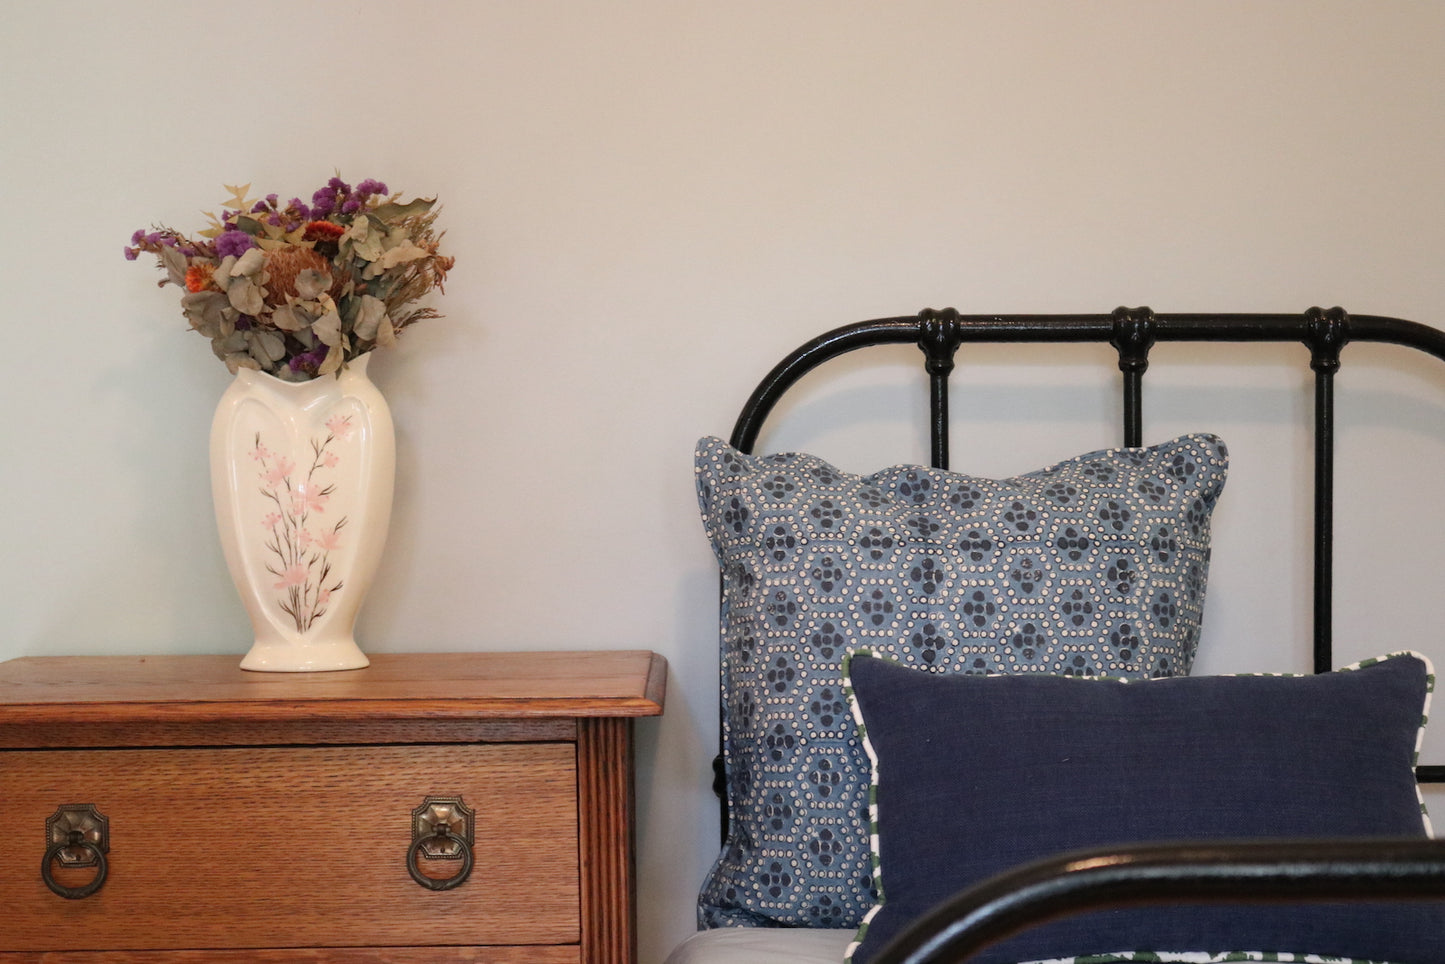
x=250, y=847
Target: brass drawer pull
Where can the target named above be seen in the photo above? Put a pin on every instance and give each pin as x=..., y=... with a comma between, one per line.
x=79, y=836
x=440, y=883
x=441, y=829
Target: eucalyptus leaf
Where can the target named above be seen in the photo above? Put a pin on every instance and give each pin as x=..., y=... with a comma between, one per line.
x=392, y=210
x=401, y=253
x=221, y=277
x=239, y=360
x=175, y=263
x=290, y=318
x=332, y=362
x=385, y=333
x=365, y=243
x=204, y=311
x=250, y=225
x=310, y=283
x=246, y=296
x=373, y=313
x=328, y=329
x=233, y=344
x=250, y=263
x=266, y=346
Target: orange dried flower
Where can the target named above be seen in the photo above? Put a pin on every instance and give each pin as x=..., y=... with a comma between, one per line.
x=198, y=277
x=324, y=231
x=282, y=267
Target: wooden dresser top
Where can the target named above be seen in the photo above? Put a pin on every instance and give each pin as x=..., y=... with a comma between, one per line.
x=435, y=686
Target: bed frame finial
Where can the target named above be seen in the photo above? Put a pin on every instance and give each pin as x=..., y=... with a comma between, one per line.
x=1327, y=332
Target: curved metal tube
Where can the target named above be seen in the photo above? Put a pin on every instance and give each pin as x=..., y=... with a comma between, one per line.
x=1229, y=327
x=1155, y=874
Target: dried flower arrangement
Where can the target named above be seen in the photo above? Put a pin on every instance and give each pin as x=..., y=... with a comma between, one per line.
x=298, y=290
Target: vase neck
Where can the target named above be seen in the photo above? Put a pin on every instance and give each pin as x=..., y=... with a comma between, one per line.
x=356, y=368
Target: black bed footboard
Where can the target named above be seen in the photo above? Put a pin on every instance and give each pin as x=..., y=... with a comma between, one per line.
x=1157, y=874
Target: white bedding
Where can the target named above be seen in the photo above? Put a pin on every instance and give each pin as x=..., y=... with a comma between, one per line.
x=763, y=945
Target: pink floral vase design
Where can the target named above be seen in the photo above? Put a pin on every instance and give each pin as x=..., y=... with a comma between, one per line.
x=302, y=481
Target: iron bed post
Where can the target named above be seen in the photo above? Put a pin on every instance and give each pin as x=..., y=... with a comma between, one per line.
x=1133, y=337
x=1328, y=331
x=939, y=337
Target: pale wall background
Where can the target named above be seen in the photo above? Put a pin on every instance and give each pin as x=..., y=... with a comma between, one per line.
x=650, y=202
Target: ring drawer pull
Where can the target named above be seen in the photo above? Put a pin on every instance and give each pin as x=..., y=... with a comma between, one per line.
x=97, y=857
x=440, y=883
x=441, y=829
x=78, y=836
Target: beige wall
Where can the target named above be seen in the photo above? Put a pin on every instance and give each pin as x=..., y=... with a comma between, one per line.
x=649, y=203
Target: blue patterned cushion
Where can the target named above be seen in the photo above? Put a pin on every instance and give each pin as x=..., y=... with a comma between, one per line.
x=977, y=775
x=1095, y=565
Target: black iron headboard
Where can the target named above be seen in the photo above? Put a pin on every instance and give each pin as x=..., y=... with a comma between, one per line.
x=1132, y=332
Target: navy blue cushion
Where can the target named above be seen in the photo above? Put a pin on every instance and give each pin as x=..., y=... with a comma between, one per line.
x=976, y=775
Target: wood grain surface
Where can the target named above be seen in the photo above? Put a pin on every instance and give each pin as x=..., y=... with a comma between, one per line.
x=293, y=846
x=209, y=700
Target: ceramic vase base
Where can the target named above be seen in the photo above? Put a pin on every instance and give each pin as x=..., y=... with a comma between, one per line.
x=303, y=657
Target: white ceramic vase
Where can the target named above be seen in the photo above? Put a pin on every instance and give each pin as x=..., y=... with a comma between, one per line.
x=301, y=476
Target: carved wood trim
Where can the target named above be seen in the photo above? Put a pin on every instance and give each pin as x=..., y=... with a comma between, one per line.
x=605, y=806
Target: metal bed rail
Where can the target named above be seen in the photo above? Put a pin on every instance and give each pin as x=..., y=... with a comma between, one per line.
x=1277, y=872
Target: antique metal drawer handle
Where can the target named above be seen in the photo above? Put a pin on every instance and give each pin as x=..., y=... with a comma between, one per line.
x=441, y=829
x=79, y=836
x=440, y=883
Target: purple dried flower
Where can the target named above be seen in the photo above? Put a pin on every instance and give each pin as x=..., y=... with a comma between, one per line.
x=132, y=253
x=274, y=220
x=323, y=201
x=299, y=206
x=351, y=206
x=309, y=361
x=338, y=185
x=258, y=207
x=139, y=236
x=271, y=200
x=234, y=242
x=370, y=186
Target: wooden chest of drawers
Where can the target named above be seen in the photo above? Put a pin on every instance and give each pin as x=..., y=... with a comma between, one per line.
x=430, y=808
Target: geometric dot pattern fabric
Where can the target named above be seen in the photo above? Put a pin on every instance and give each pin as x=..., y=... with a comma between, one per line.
x=1096, y=565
